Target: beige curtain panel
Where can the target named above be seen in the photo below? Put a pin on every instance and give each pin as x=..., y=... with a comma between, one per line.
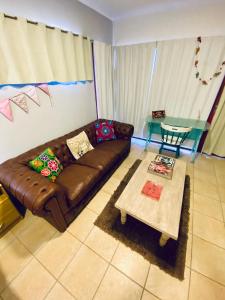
x=32, y=53
x=103, y=58
x=216, y=136
x=174, y=85
x=132, y=83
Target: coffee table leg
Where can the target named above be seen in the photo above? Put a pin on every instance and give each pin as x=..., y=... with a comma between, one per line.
x=163, y=240
x=123, y=216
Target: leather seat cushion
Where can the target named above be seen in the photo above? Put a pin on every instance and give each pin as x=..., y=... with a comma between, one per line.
x=116, y=146
x=77, y=180
x=98, y=159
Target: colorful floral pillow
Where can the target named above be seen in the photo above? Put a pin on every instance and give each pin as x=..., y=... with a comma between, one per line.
x=47, y=164
x=104, y=131
x=79, y=145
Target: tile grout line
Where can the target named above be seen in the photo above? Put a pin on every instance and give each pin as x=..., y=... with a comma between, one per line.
x=8, y=243
x=192, y=254
x=81, y=244
x=207, y=197
x=223, y=285
x=210, y=279
x=56, y=278
x=213, y=244
x=24, y=267
x=144, y=289
x=131, y=279
x=192, y=221
x=34, y=257
x=69, y=262
x=115, y=267
x=50, y=290
x=109, y=264
x=221, y=206
x=208, y=215
x=9, y=283
x=62, y=287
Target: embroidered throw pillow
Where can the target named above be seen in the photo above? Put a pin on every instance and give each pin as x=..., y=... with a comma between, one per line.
x=104, y=131
x=79, y=145
x=47, y=164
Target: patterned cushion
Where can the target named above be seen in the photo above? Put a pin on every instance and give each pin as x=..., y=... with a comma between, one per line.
x=79, y=145
x=47, y=164
x=104, y=131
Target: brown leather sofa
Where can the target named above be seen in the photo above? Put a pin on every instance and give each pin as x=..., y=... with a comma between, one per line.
x=60, y=202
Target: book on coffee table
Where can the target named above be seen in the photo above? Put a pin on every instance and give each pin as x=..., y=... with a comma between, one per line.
x=152, y=190
x=160, y=169
x=166, y=160
x=162, y=165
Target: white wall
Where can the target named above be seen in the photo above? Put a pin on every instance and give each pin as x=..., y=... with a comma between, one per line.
x=73, y=106
x=174, y=23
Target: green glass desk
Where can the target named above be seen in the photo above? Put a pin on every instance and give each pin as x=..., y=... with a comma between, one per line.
x=198, y=127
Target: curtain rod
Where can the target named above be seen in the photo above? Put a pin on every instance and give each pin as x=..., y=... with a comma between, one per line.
x=47, y=26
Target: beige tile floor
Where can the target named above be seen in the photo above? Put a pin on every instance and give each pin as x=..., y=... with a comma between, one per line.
x=37, y=262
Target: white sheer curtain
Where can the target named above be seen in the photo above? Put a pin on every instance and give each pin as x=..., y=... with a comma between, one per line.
x=174, y=86
x=103, y=79
x=215, y=140
x=132, y=83
x=35, y=53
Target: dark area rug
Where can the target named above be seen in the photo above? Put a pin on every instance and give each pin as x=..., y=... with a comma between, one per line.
x=143, y=239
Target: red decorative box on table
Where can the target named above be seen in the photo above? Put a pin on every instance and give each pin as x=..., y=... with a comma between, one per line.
x=152, y=190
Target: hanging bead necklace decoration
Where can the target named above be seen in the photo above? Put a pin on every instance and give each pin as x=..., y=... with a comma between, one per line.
x=197, y=74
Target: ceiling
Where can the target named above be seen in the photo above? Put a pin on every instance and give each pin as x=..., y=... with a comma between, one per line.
x=118, y=9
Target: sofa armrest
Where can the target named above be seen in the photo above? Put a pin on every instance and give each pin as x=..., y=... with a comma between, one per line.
x=123, y=130
x=32, y=189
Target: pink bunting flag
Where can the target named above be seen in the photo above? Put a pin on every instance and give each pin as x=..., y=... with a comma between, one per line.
x=44, y=88
x=6, y=110
x=20, y=100
x=32, y=94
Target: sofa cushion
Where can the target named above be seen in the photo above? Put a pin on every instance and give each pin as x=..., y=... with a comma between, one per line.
x=77, y=180
x=98, y=159
x=79, y=145
x=104, y=131
x=47, y=164
x=115, y=146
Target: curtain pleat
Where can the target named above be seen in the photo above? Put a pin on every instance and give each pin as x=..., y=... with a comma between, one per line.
x=33, y=53
x=104, y=82
x=88, y=59
x=175, y=87
x=132, y=84
x=214, y=143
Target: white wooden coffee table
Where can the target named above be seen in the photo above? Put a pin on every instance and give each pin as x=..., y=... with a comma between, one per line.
x=162, y=215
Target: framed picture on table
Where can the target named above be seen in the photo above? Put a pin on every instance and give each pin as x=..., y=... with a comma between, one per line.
x=158, y=114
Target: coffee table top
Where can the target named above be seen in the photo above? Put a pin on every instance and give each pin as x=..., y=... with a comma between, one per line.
x=163, y=215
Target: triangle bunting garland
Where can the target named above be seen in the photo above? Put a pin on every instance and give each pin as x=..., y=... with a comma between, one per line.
x=20, y=100
x=5, y=109
x=32, y=94
x=44, y=88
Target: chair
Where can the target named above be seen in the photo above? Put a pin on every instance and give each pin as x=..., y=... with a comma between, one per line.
x=173, y=136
